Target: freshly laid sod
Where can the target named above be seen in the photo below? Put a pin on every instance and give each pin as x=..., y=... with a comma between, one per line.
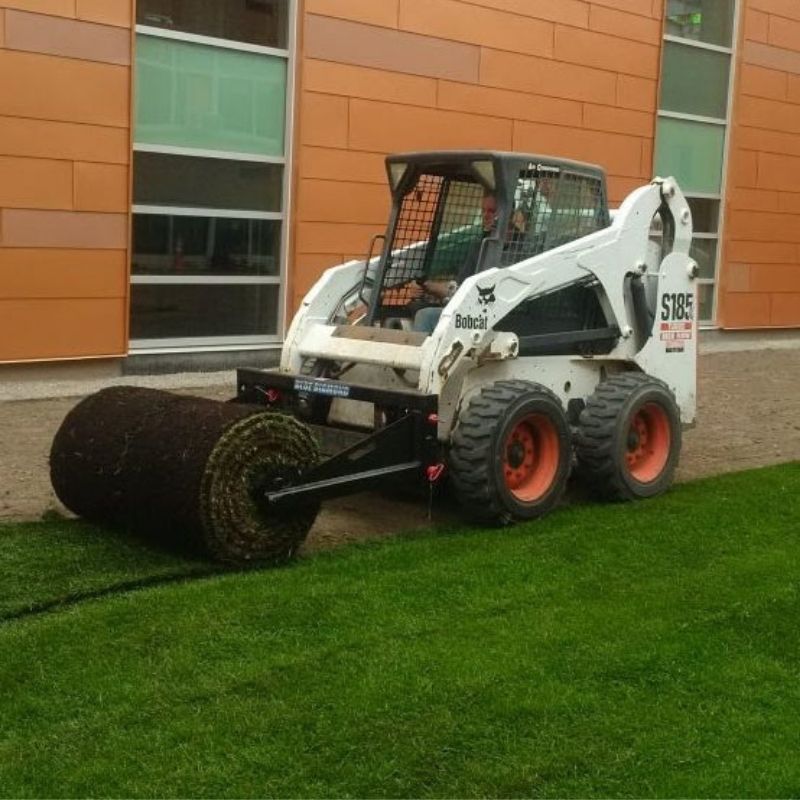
x=615, y=650
x=47, y=564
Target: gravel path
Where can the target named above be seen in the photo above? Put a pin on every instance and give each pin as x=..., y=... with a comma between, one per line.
x=749, y=416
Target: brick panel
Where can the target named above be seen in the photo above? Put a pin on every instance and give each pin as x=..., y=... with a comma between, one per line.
x=756, y=26
x=343, y=165
x=778, y=172
x=784, y=33
x=64, y=229
x=619, y=154
x=789, y=202
x=763, y=252
x=754, y=140
x=323, y=237
x=62, y=328
x=762, y=82
x=35, y=183
x=644, y=8
x=567, y=12
x=606, y=52
x=638, y=94
x=756, y=112
x=108, y=12
x=509, y=104
x=323, y=120
x=390, y=128
x=754, y=199
x=781, y=8
x=545, y=77
x=382, y=13
x=628, y=26
x=737, y=277
x=47, y=139
x=745, y=310
x=47, y=87
x=766, y=55
x=759, y=281
x=37, y=33
x=452, y=20
x=785, y=310
x=616, y=120
x=371, y=84
x=61, y=8
x=101, y=187
x=776, y=278
x=339, y=201
x=761, y=226
x=34, y=273
x=397, y=51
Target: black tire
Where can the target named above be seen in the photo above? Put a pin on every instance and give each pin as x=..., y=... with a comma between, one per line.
x=629, y=438
x=510, y=454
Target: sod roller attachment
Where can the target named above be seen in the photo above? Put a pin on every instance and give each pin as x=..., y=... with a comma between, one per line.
x=185, y=470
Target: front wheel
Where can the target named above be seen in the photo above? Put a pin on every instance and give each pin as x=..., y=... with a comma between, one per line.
x=629, y=437
x=510, y=454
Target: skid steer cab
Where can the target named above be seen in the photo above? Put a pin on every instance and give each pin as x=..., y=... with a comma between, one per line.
x=506, y=325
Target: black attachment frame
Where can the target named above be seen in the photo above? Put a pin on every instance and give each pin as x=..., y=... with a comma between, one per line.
x=402, y=448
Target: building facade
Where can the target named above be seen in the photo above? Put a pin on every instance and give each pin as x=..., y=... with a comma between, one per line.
x=175, y=174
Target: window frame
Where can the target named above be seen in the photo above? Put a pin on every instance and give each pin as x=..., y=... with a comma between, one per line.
x=726, y=122
x=191, y=344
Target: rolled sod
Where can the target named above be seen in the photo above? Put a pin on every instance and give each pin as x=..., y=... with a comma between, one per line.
x=185, y=470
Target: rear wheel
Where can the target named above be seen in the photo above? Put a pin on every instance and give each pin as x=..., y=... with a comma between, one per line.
x=629, y=437
x=510, y=454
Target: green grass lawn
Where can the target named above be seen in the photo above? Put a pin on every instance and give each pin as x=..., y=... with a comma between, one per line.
x=616, y=650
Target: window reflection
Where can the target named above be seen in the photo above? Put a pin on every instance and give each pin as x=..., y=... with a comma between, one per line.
x=187, y=311
x=182, y=245
x=709, y=21
x=262, y=22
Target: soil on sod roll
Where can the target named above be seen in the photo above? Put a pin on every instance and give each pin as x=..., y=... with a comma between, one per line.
x=184, y=470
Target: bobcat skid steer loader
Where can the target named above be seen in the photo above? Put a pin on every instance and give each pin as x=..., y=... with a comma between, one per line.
x=509, y=326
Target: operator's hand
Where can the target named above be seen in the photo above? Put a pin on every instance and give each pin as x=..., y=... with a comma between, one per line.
x=413, y=290
x=439, y=289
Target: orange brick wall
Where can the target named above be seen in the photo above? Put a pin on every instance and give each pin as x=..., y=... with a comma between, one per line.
x=65, y=117
x=760, y=273
x=572, y=78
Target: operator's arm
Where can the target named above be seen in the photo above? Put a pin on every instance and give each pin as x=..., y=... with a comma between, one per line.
x=442, y=290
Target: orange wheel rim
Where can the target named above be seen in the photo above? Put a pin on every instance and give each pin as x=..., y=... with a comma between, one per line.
x=648, y=445
x=530, y=458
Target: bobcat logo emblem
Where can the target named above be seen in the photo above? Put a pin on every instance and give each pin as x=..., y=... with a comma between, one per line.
x=486, y=296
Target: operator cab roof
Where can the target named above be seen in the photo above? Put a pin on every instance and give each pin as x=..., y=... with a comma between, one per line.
x=489, y=167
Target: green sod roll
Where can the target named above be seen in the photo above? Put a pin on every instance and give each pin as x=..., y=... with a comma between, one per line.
x=185, y=470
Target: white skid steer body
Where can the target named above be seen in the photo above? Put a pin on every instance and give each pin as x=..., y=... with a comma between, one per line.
x=465, y=353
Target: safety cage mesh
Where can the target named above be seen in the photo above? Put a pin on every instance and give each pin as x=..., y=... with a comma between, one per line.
x=552, y=207
x=443, y=221
x=437, y=237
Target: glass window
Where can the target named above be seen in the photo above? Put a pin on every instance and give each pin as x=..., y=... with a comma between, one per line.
x=691, y=152
x=180, y=245
x=705, y=214
x=695, y=81
x=186, y=311
x=709, y=21
x=210, y=98
x=186, y=181
x=704, y=252
x=705, y=302
x=262, y=22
